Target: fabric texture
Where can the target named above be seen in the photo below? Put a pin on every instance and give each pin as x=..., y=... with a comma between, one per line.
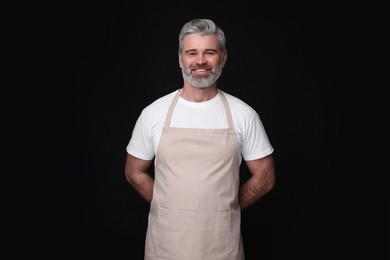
x=195, y=214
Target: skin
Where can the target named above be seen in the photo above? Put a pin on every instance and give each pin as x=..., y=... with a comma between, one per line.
x=201, y=54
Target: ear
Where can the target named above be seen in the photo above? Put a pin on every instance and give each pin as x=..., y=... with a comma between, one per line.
x=224, y=58
x=180, y=63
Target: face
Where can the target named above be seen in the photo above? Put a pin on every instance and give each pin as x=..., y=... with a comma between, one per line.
x=201, y=60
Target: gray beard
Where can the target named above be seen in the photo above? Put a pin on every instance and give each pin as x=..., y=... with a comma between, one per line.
x=202, y=82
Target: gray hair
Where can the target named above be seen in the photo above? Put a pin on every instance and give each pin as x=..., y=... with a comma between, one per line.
x=203, y=27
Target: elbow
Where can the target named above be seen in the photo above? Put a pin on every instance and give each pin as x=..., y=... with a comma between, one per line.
x=270, y=184
x=130, y=179
x=265, y=185
x=129, y=174
x=261, y=187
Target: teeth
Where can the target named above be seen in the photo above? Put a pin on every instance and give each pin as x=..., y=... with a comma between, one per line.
x=200, y=70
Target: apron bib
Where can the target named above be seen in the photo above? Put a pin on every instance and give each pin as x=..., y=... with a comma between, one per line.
x=194, y=213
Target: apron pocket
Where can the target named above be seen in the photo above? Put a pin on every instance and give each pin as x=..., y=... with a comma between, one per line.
x=193, y=234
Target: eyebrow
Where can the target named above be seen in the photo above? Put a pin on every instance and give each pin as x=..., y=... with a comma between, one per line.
x=191, y=50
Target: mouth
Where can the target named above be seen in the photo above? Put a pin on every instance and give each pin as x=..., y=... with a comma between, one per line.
x=200, y=70
x=200, y=73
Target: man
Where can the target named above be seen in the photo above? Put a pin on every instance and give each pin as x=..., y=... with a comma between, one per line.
x=197, y=136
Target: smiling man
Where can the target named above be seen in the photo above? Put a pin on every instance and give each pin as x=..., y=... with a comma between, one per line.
x=197, y=137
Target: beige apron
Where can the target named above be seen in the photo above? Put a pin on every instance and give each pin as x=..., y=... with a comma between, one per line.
x=194, y=212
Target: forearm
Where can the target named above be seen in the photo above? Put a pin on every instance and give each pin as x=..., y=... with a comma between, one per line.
x=143, y=184
x=252, y=190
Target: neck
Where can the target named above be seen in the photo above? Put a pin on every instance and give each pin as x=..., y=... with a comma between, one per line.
x=199, y=94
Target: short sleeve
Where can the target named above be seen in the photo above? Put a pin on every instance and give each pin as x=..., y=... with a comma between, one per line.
x=141, y=143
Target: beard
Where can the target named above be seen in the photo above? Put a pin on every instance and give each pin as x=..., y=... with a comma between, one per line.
x=202, y=82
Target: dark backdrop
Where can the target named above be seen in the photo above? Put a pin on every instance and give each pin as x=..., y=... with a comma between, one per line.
x=294, y=64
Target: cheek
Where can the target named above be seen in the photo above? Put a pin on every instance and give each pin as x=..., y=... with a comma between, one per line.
x=185, y=64
x=217, y=62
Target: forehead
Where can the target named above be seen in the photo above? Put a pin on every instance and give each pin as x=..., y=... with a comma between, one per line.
x=198, y=41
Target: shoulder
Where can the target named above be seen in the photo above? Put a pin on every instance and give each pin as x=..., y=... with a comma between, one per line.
x=158, y=106
x=238, y=106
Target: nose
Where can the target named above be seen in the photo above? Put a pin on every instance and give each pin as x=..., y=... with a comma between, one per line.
x=201, y=59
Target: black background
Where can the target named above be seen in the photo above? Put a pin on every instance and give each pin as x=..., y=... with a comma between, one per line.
x=295, y=63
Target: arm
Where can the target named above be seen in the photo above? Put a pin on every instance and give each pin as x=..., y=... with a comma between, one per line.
x=261, y=181
x=138, y=176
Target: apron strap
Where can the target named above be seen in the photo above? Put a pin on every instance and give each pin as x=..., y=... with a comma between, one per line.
x=171, y=107
x=229, y=116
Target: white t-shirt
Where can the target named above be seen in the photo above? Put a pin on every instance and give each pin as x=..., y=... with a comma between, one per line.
x=252, y=138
